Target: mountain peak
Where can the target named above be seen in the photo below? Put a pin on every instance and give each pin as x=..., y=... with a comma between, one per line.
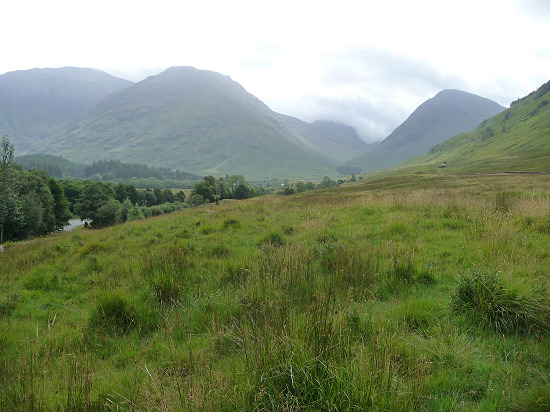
x=448, y=113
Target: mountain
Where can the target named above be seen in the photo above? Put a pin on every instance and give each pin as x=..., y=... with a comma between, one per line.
x=36, y=103
x=448, y=113
x=516, y=140
x=203, y=122
x=334, y=141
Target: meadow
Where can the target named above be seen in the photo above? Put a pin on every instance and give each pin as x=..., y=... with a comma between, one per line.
x=398, y=293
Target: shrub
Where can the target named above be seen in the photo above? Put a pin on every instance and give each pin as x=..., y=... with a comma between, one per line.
x=486, y=299
x=156, y=210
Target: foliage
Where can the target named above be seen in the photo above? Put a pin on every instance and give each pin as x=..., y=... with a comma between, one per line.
x=9, y=208
x=138, y=175
x=31, y=203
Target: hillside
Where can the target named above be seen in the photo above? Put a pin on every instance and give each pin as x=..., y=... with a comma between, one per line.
x=448, y=113
x=393, y=295
x=56, y=166
x=336, y=142
x=196, y=120
x=35, y=103
x=516, y=140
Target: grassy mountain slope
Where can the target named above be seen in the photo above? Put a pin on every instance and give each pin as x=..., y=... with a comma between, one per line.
x=448, y=113
x=190, y=119
x=397, y=294
x=35, y=103
x=334, y=141
x=517, y=139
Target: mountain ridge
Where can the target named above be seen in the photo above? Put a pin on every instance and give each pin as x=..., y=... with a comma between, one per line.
x=515, y=140
x=448, y=113
x=198, y=120
x=36, y=103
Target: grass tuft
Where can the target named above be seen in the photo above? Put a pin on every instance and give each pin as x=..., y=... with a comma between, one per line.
x=273, y=239
x=486, y=299
x=113, y=314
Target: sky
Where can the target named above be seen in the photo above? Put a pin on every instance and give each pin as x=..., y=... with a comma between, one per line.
x=365, y=63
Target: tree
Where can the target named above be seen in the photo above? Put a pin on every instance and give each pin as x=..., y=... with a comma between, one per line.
x=124, y=210
x=107, y=214
x=135, y=213
x=206, y=191
x=180, y=196
x=300, y=187
x=9, y=207
x=92, y=197
x=241, y=192
x=196, y=199
x=61, y=205
x=327, y=183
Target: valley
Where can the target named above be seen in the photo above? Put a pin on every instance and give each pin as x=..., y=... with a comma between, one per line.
x=419, y=286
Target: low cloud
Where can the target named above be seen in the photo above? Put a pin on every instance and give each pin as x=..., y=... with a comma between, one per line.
x=376, y=90
x=538, y=9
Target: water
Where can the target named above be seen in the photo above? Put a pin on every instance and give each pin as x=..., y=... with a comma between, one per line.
x=73, y=224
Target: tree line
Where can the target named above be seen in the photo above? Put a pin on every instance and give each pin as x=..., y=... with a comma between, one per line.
x=32, y=203
x=139, y=175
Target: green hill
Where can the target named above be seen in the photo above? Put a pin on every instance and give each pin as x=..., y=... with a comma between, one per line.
x=198, y=121
x=516, y=140
x=448, y=113
x=36, y=103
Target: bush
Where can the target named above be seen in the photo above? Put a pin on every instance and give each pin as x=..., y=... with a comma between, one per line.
x=485, y=299
x=156, y=210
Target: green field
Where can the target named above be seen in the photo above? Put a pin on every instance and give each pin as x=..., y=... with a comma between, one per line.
x=403, y=293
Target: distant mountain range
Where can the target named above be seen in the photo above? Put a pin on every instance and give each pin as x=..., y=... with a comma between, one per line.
x=39, y=102
x=204, y=122
x=183, y=118
x=449, y=113
x=515, y=140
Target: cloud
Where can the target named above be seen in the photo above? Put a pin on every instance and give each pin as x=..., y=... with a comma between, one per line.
x=538, y=9
x=375, y=90
x=365, y=67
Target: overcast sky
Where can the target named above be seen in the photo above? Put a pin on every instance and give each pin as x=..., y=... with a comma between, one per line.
x=366, y=63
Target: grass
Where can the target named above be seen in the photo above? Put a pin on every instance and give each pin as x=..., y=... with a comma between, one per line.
x=381, y=295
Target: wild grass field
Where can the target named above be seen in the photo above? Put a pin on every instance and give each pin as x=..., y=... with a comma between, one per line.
x=403, y=293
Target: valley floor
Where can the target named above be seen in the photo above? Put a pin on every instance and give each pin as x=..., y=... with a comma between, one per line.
x=402, y=293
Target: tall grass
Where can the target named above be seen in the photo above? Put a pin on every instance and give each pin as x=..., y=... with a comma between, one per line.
x=485, y=298
x=346, y=299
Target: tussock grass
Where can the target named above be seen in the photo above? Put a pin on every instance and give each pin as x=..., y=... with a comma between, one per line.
x=485, y=298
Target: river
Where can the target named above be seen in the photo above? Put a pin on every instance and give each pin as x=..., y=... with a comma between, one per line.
x=73, y=224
